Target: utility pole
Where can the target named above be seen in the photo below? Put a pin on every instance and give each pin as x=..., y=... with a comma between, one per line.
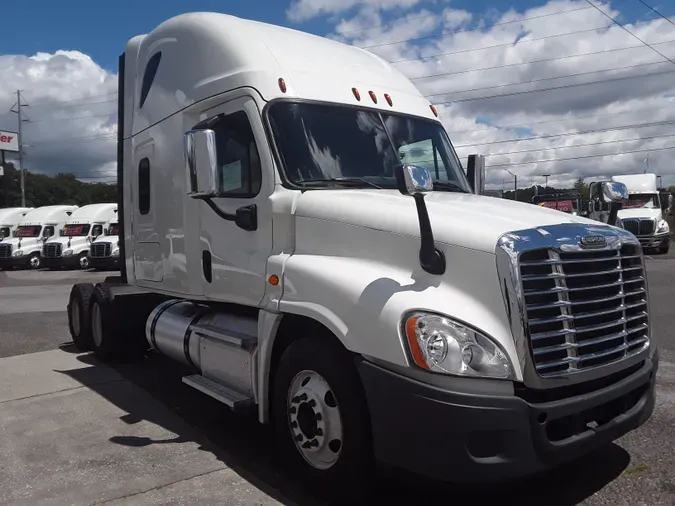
x=546, y=176
x=515, y=184
x=20, y=121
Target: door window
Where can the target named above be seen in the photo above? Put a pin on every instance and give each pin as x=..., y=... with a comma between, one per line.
x=238, y=159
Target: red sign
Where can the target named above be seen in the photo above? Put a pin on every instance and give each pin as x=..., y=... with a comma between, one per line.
x=9, y=141
x=566, y=206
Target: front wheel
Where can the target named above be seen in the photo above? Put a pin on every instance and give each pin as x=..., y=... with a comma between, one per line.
x=321, y=416
x=664, y=247
x=83, y=260
x=34, y=261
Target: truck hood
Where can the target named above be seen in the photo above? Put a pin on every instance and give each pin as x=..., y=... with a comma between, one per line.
x=460, y=219
x=25, y=241
x=640, y=213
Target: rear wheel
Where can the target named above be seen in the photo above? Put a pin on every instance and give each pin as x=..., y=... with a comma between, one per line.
x=115, y=339
x=321, y=417
x=79, y=319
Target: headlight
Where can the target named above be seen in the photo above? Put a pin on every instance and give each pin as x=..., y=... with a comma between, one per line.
x=663, y=227
x=67, y=252
x=441, y=345
x=116, y=253
x=17, y=253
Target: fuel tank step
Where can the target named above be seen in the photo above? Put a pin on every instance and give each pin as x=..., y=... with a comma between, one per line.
x=227, y=396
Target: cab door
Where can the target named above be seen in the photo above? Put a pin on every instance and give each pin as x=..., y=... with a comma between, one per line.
x=234, y=259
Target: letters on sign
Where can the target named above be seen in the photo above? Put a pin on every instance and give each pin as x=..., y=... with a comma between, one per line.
x=9, y=141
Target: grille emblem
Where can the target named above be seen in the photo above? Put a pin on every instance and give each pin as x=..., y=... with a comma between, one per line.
x=593, y=241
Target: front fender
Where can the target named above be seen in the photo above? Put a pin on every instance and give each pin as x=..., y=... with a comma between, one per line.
x=362, y=301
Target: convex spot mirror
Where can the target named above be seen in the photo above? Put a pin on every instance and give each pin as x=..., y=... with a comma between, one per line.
x=613, y=192
x=201, y=163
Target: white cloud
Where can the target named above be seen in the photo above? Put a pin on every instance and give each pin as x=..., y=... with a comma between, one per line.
x=302, y=10
x=71, y=111
x=468, y=57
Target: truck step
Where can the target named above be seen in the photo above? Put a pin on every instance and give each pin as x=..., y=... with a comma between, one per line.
x=233, y=337
x=227, y=396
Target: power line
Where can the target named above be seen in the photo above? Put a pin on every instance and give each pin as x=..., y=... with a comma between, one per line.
x=76, y=99
x=511, y=94
x=546, y=79
x=508, y=44
x=627, y=30
x=78, y=140
x=78, y=105
x=559, y=120
x=545, y=60
x=581, y=145
x=475, y=28
x=581, y=157
x=582, y=132
x=76, y=117
x=653, y=9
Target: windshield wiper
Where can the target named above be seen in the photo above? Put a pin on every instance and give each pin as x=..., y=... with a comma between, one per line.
x=447, y=185
x=343, y=180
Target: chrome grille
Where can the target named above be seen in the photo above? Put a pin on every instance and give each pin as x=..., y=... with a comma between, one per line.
x=637, y=226
x=5, y=250
x=584, y=308
x=52, y=250
x=100, y=250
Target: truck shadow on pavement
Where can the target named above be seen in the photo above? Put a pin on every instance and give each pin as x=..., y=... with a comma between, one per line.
x=246, y=448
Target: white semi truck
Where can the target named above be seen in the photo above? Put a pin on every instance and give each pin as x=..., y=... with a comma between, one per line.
x=371, y=311
x=24, y=248
x=642, y=215
x=70, y=248
x=104, y=253
x=10, y=217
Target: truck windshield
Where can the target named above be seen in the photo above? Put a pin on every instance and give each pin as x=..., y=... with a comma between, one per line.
x=114, y=229
x=27, y=231
x=643, y=201
x=319, y=142
x=75, y=230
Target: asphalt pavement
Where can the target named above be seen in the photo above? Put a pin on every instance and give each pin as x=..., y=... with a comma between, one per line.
x=143, y=437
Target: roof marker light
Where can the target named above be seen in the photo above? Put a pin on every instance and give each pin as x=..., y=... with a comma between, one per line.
x=372, y=96
x=282, y=85
x=433, y=109
x=388, y=99
x=356, y=94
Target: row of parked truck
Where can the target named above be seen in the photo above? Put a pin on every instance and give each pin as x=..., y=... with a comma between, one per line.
x=643, y=214
x=59, y=236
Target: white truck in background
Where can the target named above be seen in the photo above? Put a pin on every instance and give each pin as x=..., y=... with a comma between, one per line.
x=371, y=311
x=24, y=248
x=104, y=252
x=70, y=248
x=10, y=217
x=642, y=214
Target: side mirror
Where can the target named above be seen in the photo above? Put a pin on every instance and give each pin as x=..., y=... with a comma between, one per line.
x=416, y=181
x=201, y=163
x=413, y=179
x=612, y=192
x=475, y=171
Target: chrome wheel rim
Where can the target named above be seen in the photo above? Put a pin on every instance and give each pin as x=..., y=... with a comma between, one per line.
x=314, y=420
x=35, y=262
x=84, y=262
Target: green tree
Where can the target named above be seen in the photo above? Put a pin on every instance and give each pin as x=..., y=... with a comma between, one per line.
x=42, y=190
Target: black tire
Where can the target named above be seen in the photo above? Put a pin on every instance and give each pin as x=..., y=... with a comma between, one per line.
x=79, y=308
x=34, y=261
x=665, y=247
x=83, y=257
x=355, y=464
x=116, y=339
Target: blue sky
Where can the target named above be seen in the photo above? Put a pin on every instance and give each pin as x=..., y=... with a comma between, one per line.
x=100, y=29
